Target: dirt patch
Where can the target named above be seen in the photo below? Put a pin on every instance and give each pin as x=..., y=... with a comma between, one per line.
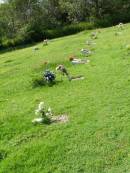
x=54, y=119
x=60, y=119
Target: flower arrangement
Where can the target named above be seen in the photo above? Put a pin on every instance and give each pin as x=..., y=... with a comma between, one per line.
x=94, y=35
x=63, y=70
x=43, y=113
x=120, y=26
x=49, y=76
x=86, y=52
x=45, y=42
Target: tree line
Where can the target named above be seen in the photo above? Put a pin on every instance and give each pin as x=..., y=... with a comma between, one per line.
x=26, y=21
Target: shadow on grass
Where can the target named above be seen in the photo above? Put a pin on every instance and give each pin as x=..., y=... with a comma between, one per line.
x=10, y=49
x=40, y=83
x=9, y=61
x=3, y=155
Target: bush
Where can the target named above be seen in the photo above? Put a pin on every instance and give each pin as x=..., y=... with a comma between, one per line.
x=106, y=21
x=67, y=30
x=32, y=36
x=29, y=35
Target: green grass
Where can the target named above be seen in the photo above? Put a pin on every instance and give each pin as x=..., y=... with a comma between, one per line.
x=97, y=137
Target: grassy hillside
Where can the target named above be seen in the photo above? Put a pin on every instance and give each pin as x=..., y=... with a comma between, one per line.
x=97, y=137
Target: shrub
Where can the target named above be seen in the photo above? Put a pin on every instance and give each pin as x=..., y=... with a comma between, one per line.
x=32, y=34
x=106, y=21
x=67, y=30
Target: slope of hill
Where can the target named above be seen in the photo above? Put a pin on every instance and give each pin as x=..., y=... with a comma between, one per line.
x=96, y=139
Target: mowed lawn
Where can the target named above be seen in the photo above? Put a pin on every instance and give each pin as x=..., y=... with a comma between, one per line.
x=97, y=137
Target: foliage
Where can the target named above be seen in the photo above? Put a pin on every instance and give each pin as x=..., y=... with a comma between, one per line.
x=67, y=30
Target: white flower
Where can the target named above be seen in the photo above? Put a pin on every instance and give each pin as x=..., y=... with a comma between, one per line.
x=49, y=112
x=37, y=112
x=41, y=106
x=38, y=120
x=47, y=78
x=49, y=109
